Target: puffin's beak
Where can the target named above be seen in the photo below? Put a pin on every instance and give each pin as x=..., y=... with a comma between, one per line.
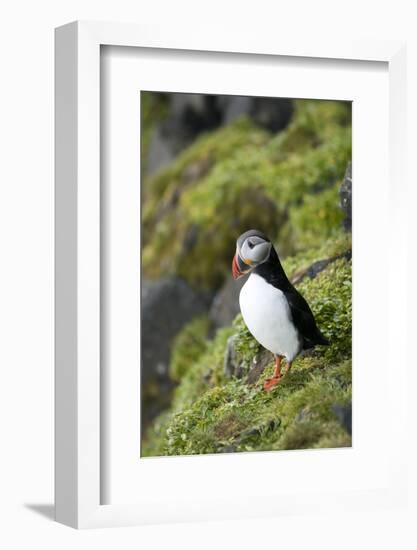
x=235, y=269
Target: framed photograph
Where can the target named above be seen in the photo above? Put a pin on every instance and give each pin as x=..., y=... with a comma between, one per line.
x=228, y=321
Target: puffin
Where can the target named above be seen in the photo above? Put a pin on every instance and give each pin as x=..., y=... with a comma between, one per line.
x=275, y=313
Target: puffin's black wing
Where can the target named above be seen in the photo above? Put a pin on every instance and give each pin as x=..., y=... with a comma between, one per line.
x=304, y=321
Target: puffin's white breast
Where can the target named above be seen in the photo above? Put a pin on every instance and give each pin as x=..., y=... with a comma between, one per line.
x=267, y=315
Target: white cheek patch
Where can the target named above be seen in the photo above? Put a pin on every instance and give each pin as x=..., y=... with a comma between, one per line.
x=259, y=253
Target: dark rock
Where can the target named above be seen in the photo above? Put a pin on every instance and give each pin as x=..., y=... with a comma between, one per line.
x=259, y=363
x=346, y=198
x=344, y=415
x=235, y=365
x=317, y=267
x=258, y=431
x=232, y=360
x=146, y=289
x=192, y=114
x=167, y=305
x=274, y=424
x=225, y=305
x=271, y=113
x=227, y=449
x=235, y=106
x=251, y=432
x=311, y=271
x=274, y=114
x=190, y=238
x=160, y=152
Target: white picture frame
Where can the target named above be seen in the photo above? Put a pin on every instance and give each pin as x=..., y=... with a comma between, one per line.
x=78, y=403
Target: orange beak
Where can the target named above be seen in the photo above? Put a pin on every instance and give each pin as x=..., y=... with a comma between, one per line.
x=235, y=269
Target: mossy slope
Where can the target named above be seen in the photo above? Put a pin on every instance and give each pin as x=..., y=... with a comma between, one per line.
x=212, y=413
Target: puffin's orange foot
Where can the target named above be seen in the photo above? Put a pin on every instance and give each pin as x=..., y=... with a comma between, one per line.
x=271, y=382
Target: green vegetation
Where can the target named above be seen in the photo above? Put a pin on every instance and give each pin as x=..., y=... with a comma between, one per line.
x=188, y=346
x=193, y=210
x=212, y=413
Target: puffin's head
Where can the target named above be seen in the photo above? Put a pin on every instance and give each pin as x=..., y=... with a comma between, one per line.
x=252, y=248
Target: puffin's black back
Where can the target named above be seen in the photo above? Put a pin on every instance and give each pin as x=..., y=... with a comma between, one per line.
x=302, y=316
x=303, y=319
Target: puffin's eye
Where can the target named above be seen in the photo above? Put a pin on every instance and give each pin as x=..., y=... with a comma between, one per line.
x=251, y=244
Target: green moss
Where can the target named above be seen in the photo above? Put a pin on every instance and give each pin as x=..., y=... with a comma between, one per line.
x=207, y=372
x=338, y=244
x=245, y=343
x=188, y=346
x=330, y=298
x=207, y=150
x=325, y=209
x=313, y=124
x=211, y=413
x=237, y=417
x=240, y=177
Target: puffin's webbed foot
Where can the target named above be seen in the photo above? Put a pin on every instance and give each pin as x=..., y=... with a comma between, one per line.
x=271, y=382
x=277, y=377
